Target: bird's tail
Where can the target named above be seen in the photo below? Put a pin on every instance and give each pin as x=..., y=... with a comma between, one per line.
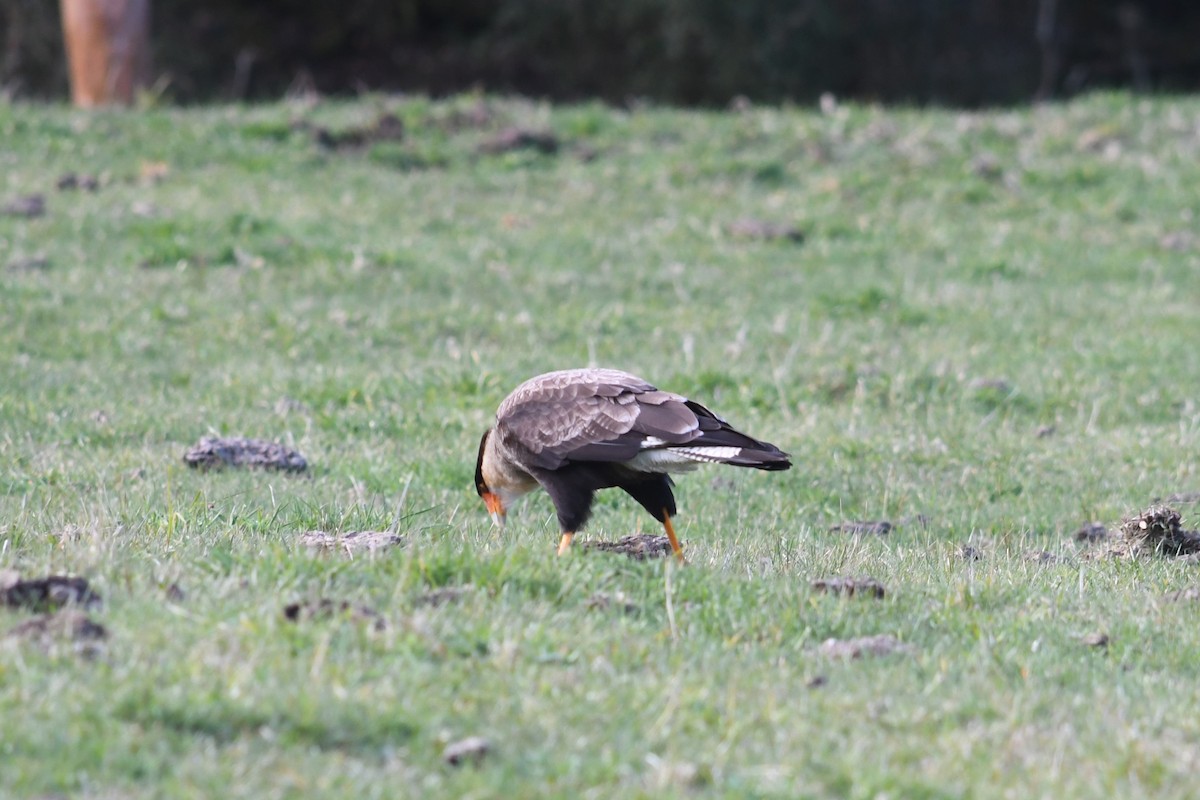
x=760, y=458
x=720, y=443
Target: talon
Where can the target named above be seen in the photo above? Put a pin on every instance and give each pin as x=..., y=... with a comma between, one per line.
x=671, y=537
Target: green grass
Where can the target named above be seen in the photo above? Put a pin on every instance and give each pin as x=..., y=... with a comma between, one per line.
x=967, y=280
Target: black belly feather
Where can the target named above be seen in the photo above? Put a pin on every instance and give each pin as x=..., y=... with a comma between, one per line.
x=573, y=487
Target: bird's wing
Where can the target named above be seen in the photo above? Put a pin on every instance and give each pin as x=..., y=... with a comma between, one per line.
x=592, y=415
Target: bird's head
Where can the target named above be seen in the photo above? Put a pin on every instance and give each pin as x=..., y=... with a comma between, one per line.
x=491, y=499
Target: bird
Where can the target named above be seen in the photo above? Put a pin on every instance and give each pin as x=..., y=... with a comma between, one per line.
x=574, y=432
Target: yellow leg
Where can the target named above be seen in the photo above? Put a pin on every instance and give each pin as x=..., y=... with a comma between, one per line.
x=671, y=537
x=564, y=544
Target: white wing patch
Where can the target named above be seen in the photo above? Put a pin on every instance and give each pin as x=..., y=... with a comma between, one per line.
x=652, y=441
x=681, y=459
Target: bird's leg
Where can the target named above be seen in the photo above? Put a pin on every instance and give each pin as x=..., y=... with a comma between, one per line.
x=671, y=537
x=564, y=544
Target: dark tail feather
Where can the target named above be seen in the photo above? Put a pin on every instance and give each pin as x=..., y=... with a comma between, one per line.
x=772, y=460
x=756, y=454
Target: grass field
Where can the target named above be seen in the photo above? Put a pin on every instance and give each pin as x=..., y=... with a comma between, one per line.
x=988, y=336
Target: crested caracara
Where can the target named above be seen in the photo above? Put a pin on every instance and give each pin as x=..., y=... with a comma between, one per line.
x=574, y=431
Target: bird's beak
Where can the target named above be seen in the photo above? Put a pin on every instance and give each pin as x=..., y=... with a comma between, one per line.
x=495, y=508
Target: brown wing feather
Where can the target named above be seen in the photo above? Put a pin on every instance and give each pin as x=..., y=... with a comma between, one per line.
x=591, y=415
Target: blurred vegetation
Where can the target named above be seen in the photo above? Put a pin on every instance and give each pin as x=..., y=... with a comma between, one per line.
x=703, y=52
x=985, y=336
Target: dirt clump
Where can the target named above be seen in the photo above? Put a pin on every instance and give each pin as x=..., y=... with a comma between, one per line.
x=863, y=587
x=1188, y=594
x=477, y=116
x=602, y=601
x=1158, y=530
x=1180, y=497
x=471, y=750
x=513, y=139
x=28, y=206
x=387, y=127
x=444, y=595
x=46, y=594
x=987, y=166
x=70, y=181
x=351, y=541
x=29, y=264
x=876, y=527
x=236, y=451
x=71, y=625
x=638, y=546
x=969, y=552
x=1091, y=532
x=1178, y=241
x=749, y=228
x=996, y=385
x=881, y=645
x=1044, y=557
x=330, y=609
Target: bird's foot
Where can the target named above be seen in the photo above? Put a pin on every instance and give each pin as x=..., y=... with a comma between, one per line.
x=672, y=539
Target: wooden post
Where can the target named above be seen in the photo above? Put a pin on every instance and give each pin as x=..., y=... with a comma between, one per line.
x=108, y=51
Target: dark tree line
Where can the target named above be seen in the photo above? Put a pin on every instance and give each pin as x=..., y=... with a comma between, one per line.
x=968, y=52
